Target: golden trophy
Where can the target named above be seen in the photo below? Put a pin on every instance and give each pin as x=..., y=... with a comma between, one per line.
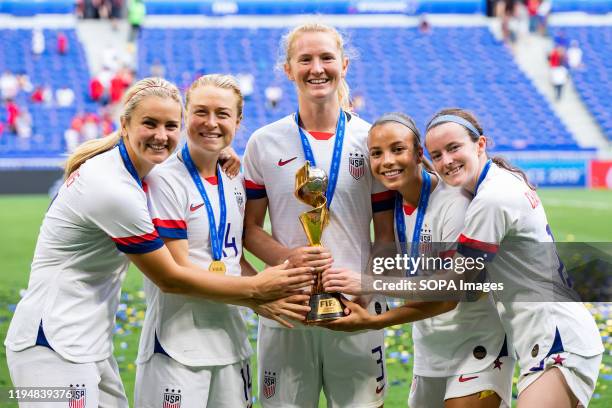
x=310, y=187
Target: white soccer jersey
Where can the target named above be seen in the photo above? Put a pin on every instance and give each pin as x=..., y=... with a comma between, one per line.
x=274, y=154
x=194, y=331
x=78, y=266
x=506, y=214
x=470, y=337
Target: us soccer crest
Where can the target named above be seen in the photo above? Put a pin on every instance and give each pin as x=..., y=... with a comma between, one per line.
x=269, y=384
x=172, y=398
x=239, y=196
x=77, y=396
x=356, y=165
x=426, y=240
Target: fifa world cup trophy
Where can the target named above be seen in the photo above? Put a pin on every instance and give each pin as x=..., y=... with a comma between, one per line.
x=310, y=187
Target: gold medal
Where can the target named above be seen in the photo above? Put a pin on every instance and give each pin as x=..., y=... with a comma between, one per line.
x=217, y=267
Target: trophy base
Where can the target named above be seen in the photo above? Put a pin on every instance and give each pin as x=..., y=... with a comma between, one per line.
x=324, y=306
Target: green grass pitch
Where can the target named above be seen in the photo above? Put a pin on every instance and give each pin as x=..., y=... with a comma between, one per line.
x=574, y=215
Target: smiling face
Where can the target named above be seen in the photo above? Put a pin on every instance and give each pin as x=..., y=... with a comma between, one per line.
x=212, y=118
x=316, y=65
x=393, y=158
x=152, y=131
x=456, y=158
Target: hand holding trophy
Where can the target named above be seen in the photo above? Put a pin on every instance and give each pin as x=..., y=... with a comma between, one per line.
x=310, y=187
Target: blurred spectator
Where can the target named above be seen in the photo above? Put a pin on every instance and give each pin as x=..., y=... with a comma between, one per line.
x=558, y=78
x=12, y=112
x=543, y=13
x=532, y=11
x=107, y=126
x=574, y=55
x=110, y=58
x=64, y=97
x=62, y=43
x=358, y=102
x=117, y=86
x=157, y=69
x=245, y=82
x=23, y=124
x=42, y=94
x=556, y=57
x=136, y=15
x=96, y=90
x=273, y=96
x=38, y=41
x=90, y=129
x=116, y=6
x=424, y=26
x=24, y=83
x=9, y=85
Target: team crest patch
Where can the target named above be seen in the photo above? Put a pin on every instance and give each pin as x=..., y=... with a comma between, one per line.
x=269, y=384
x=172, y=398
x=239, y=200
x=356, y=165
x=426, y=240
x=77, y=396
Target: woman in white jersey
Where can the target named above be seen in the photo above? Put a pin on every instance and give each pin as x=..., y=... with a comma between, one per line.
x=294, y=365
x=460, y=354
x=195, y=350
x=61, y=332
x=557, y=343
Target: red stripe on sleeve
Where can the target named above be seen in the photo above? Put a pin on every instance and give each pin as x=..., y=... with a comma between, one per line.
x=169, y=223
x=447, y=254
x=482, y=246
x=255, y=186
x=137, y=239
x=383, y=196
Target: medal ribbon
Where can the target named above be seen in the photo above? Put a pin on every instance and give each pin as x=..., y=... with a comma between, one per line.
x=485, y=170
x=216, y=235
x=336, y=156
x=127, y=162
x=400, y=222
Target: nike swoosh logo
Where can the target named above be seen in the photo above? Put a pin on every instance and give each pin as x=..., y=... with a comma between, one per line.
x=282, y=163
x=192, y=207
x=464, y=379
x=380, y=388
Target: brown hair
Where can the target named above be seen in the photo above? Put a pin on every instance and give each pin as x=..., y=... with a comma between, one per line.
x=498, y=160
x=218, y=81
x=406, y=120
x=289, y=39
x=132, y=98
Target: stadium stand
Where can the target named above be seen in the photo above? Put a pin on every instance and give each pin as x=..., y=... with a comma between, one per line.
x=398, y=69
x=593, y=81
x=50, y=69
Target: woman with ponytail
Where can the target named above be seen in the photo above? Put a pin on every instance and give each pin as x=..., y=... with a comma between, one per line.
x=305, y=360
x=557, y=343
x=61, y=332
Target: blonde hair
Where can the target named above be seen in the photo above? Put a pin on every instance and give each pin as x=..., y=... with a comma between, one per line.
x=219, y=81
x=289, y=39
x=132, y=98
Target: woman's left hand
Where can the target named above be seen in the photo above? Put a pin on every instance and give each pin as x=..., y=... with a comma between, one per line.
x=230, y=162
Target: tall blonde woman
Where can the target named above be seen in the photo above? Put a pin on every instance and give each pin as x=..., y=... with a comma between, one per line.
x=294, y=365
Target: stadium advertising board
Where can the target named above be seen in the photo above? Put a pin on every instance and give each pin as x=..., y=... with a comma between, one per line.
x=600, y=172
x=549, y=173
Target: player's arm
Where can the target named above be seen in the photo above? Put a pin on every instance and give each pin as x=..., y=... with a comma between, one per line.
x=293, y=306
x=179, y=276
x=383, y=227
x=261, y=244
x=360, y=319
